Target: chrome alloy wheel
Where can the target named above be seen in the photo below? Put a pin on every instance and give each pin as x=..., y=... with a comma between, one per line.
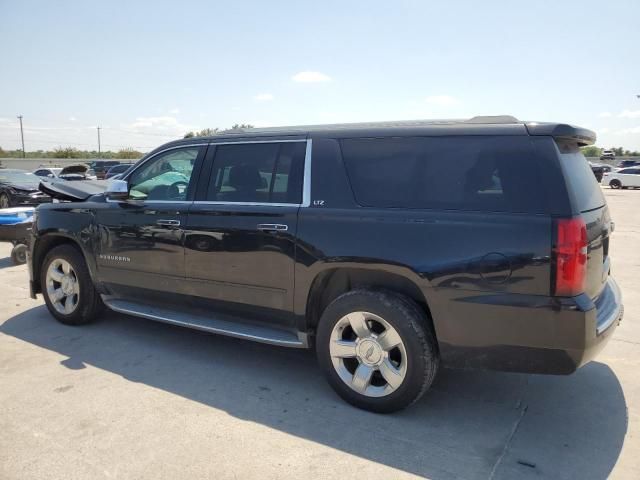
x=368, y=354
x=63, y=288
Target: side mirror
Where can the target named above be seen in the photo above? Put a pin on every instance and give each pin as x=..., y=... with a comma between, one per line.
x=117, y=190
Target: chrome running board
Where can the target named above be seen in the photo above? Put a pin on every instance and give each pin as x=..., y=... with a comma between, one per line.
x=217, y=323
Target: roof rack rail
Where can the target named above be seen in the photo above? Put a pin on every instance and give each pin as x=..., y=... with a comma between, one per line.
x=493, y=119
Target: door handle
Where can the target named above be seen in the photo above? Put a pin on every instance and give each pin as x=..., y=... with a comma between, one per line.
x=273, y=227
x=168, y=223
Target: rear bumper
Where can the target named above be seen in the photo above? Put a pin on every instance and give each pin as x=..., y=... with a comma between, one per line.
x=528, y=334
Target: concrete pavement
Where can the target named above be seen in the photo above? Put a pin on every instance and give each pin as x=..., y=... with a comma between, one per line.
x=131, y=398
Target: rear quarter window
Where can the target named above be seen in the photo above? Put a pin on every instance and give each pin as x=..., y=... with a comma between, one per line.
x=579, y=177
x=475, y=173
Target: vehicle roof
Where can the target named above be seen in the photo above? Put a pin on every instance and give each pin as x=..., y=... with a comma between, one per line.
x=483, y=125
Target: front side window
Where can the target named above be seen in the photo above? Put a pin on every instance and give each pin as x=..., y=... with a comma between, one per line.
x=258, y=173
x=165, y=177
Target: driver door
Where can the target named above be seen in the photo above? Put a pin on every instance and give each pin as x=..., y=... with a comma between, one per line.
x=140, y=240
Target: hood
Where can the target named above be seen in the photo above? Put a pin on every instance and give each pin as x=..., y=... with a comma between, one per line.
x=73, y=191
x=29, y=187
x=74, y=172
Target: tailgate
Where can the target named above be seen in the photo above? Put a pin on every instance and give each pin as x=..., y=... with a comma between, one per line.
x=589, y=202
x=598, y=264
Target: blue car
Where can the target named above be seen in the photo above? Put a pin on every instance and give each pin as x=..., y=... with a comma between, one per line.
x=15, y=224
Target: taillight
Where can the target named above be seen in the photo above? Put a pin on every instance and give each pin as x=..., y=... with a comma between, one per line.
x=570, y=256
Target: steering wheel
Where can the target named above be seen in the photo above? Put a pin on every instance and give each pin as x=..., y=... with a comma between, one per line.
x=173, y=192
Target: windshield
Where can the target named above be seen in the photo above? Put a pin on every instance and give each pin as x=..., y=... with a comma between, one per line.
x=23, y=178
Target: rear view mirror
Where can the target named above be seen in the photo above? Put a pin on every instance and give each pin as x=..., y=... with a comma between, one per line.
x=117, y=190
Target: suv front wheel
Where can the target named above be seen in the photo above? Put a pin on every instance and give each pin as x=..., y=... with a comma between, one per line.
x=67, y=287
x=377, y=350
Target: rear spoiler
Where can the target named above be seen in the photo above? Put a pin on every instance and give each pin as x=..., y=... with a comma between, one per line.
x=563, y=131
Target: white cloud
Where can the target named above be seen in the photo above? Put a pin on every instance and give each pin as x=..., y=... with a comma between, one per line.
x=627, y=131
x=174, y=111
x=605, y=114
x=442, y=100
x=164, y=124
x=263, y=97
x=72, y=119
x=604, y=130
x=310, y=77
x=5, y=120
x=630, y=114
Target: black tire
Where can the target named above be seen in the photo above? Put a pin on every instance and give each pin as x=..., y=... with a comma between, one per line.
x=5, y=201
x=615, y=184
x=413, y=327
x=89, y=304
x=19, y=254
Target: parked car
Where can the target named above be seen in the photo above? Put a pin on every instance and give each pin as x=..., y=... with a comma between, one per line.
x=20, y=188
x=623, y=178
x=117, y=169
x=608, y=155
x=355, y=240
x=48, y=172
x=100, y=167
x=15, y=224
x=629, y=163
x=79, y=171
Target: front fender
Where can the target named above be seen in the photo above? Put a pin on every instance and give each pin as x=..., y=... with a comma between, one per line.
x=58, y=224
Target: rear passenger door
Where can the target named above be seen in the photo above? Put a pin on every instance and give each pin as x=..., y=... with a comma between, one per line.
x=240, y=235
x=633, y=177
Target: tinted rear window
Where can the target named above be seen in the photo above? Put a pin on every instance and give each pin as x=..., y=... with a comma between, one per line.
x=454, y=173
x=580, y=179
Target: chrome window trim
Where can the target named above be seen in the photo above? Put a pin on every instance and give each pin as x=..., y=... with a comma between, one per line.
x=247, y=204
x=306, y=180
x=240, y=142
x=146, y=202
x=145, y=160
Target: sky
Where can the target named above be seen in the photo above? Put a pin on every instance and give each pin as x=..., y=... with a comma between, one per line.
x=147, y=72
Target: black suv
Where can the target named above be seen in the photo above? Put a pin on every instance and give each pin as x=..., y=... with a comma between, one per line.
x=392, y=247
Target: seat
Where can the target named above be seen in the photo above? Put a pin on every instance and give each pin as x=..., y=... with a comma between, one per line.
x=245, y=180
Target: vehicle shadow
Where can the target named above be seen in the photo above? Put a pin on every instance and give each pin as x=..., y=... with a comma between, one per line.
x=6, y=262
x=470, y=425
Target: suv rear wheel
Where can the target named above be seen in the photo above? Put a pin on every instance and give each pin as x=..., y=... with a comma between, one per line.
x=67, y=287
x=377, y=350
x=615, y=184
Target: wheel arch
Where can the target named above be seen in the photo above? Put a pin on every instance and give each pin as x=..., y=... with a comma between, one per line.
x=331, y=283
x=44, y=244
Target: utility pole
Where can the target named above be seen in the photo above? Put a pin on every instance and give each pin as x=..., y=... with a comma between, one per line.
x=99, y=153
x=21, y=135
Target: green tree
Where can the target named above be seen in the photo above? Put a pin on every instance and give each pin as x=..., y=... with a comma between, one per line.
x=127, y=153
x=66, y=152
x=591, y=151
x=619, y=151
x=210, y=132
